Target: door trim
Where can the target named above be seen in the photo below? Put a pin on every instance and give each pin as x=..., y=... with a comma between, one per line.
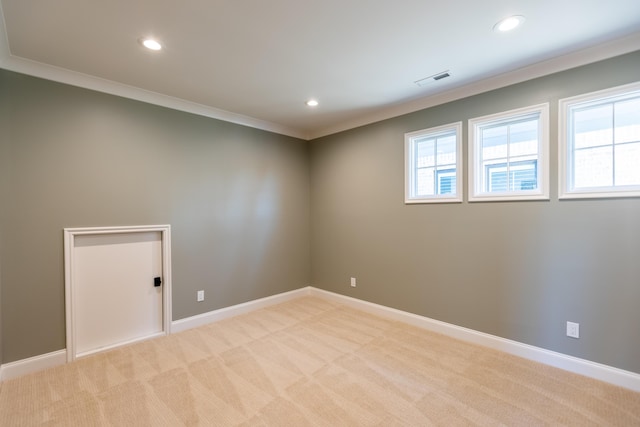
x=70, y=285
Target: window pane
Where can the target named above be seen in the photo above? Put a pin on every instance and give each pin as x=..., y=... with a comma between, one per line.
x=593, y=126
x=517, y=176
x=593, y=167
x=497, y=179
x=425, y=184
x=524, y=176
x=431, y=164
x=524, y=138
x=507, y=151
x=494, y=142
x=602, y=144
x=446, y=150
x=425, y=150
x=448, y=185
x=446, y=181
x=628, y=164
x=628, y=121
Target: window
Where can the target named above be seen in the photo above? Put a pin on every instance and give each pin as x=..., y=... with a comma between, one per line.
x=599, y=143
x=508, y=155
x=433, y=165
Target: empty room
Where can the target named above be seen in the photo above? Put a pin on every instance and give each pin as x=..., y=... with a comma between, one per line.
x=290, y=213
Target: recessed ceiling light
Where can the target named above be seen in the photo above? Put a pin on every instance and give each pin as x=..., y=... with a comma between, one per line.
x=312, y=103
x=151, y=44
x=509, y=23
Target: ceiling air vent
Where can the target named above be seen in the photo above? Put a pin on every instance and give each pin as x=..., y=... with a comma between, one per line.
x=432, y=79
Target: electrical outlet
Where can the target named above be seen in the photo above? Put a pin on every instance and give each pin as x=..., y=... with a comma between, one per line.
x=573, y=330
x=353, y=282
x=200, y=296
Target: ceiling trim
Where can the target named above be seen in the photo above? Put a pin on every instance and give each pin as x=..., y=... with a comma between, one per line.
x=627, y=44
x=73, y=78
x=603, y=51
x=4, y=39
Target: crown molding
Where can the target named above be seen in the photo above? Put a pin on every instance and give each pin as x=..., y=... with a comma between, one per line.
x=4, y=39
x=600, y=52
x=73, y=78
x=557, y=64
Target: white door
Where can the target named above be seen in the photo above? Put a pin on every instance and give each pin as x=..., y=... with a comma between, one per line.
x=115, y=298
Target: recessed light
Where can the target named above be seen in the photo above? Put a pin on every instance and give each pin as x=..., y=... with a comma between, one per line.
x=151, y=44
x=508, y=24
x=312, y=103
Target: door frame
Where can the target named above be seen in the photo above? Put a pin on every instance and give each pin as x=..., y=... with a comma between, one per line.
x=70, y=284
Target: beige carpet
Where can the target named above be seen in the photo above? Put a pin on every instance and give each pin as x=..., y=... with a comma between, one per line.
x=310, y=362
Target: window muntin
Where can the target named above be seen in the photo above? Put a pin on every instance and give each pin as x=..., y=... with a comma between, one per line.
x=433, y=165
x=508, y=155
x=599, y=144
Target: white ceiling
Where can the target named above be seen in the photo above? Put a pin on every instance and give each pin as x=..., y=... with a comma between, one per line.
x=256, y=62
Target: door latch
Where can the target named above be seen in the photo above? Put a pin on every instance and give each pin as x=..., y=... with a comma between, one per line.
x=157, y=281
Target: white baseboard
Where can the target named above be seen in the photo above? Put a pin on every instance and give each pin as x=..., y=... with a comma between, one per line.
x=627, y=379
x=56, y=358
x=620, y=377
x=234, y=310
x=32, y=364
x=119, y=344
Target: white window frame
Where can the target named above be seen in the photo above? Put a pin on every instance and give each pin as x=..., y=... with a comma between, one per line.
x=565, y=143
x=409, y=169
x=476, y=170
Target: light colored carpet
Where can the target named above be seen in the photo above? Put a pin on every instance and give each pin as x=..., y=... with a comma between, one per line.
x=310, y=362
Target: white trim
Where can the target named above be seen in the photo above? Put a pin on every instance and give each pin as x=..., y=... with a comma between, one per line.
x=32, y=364
x=409, y=170
x=620, y=377
x=69, y=244
x=119, y=344
x=4, y=40
x=585, y=56
x=73, y=78
x=564, y=192
x=86, y=81
x=610, y=49
x=60, y=357
x=475, y=170
x=235, y=310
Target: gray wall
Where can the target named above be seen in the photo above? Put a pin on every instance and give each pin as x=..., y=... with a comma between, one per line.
x=246, y=205
x=518, y=270
x=237, y=200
